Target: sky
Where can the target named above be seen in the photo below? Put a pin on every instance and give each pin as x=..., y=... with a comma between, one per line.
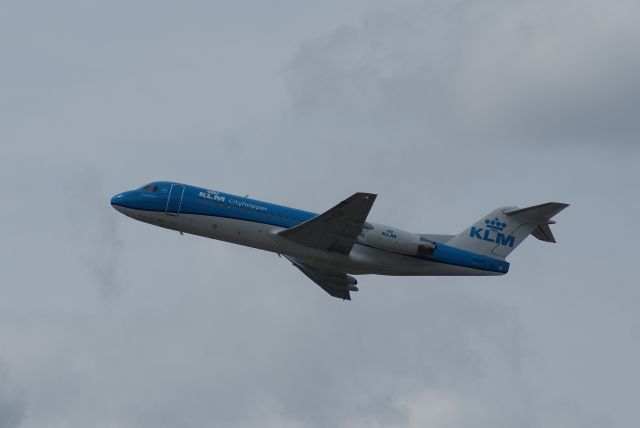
x=445, y=109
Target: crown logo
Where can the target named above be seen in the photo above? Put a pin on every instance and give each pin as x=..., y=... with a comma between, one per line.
x=495, y=224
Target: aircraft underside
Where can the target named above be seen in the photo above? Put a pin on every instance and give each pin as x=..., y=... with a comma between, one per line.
x=361, y=260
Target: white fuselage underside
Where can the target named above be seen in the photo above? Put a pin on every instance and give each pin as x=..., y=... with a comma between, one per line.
x=361, y=260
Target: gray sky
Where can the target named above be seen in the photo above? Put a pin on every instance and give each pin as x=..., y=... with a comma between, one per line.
x=446, y=109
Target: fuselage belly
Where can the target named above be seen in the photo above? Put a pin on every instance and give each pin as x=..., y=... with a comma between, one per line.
x=361, y=260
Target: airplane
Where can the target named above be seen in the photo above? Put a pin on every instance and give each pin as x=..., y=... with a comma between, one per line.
x=331, y=247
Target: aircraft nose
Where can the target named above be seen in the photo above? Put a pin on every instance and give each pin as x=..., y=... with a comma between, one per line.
x=118, y=201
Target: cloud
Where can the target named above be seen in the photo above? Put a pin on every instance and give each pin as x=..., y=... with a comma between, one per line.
x=509, y=71
x=12, y=404
x=93, y=228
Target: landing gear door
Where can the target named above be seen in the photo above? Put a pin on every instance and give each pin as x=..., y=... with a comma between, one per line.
x=174, y=200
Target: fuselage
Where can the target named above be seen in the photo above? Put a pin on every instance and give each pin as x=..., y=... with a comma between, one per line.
x=256, y=224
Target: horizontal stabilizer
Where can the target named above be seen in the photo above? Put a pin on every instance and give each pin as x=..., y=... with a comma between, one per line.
x=543, y=233
x=540, y=216
x=538, y=213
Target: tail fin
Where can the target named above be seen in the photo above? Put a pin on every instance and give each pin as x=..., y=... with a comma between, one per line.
x=502, y=230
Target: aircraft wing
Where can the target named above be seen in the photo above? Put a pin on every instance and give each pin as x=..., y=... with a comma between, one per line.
x=336, y=229
x=337, y=284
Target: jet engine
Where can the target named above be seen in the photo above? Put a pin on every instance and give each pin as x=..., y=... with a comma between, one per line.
x=396, y=240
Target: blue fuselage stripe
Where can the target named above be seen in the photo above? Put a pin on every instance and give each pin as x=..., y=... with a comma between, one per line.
x=204, y=202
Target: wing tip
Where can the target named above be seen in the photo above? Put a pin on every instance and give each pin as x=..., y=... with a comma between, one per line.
x=365, y=195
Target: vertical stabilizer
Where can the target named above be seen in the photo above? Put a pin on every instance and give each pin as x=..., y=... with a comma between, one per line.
x=498, y=233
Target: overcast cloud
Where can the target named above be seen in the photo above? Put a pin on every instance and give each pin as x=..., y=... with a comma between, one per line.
x=446, y=109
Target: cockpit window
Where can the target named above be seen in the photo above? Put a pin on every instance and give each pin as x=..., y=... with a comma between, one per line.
x=151, y=188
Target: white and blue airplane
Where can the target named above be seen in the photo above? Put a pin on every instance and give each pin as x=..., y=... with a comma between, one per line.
x=330, y=247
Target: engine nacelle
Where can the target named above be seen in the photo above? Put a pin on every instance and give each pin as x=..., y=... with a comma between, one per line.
x=396, y=240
